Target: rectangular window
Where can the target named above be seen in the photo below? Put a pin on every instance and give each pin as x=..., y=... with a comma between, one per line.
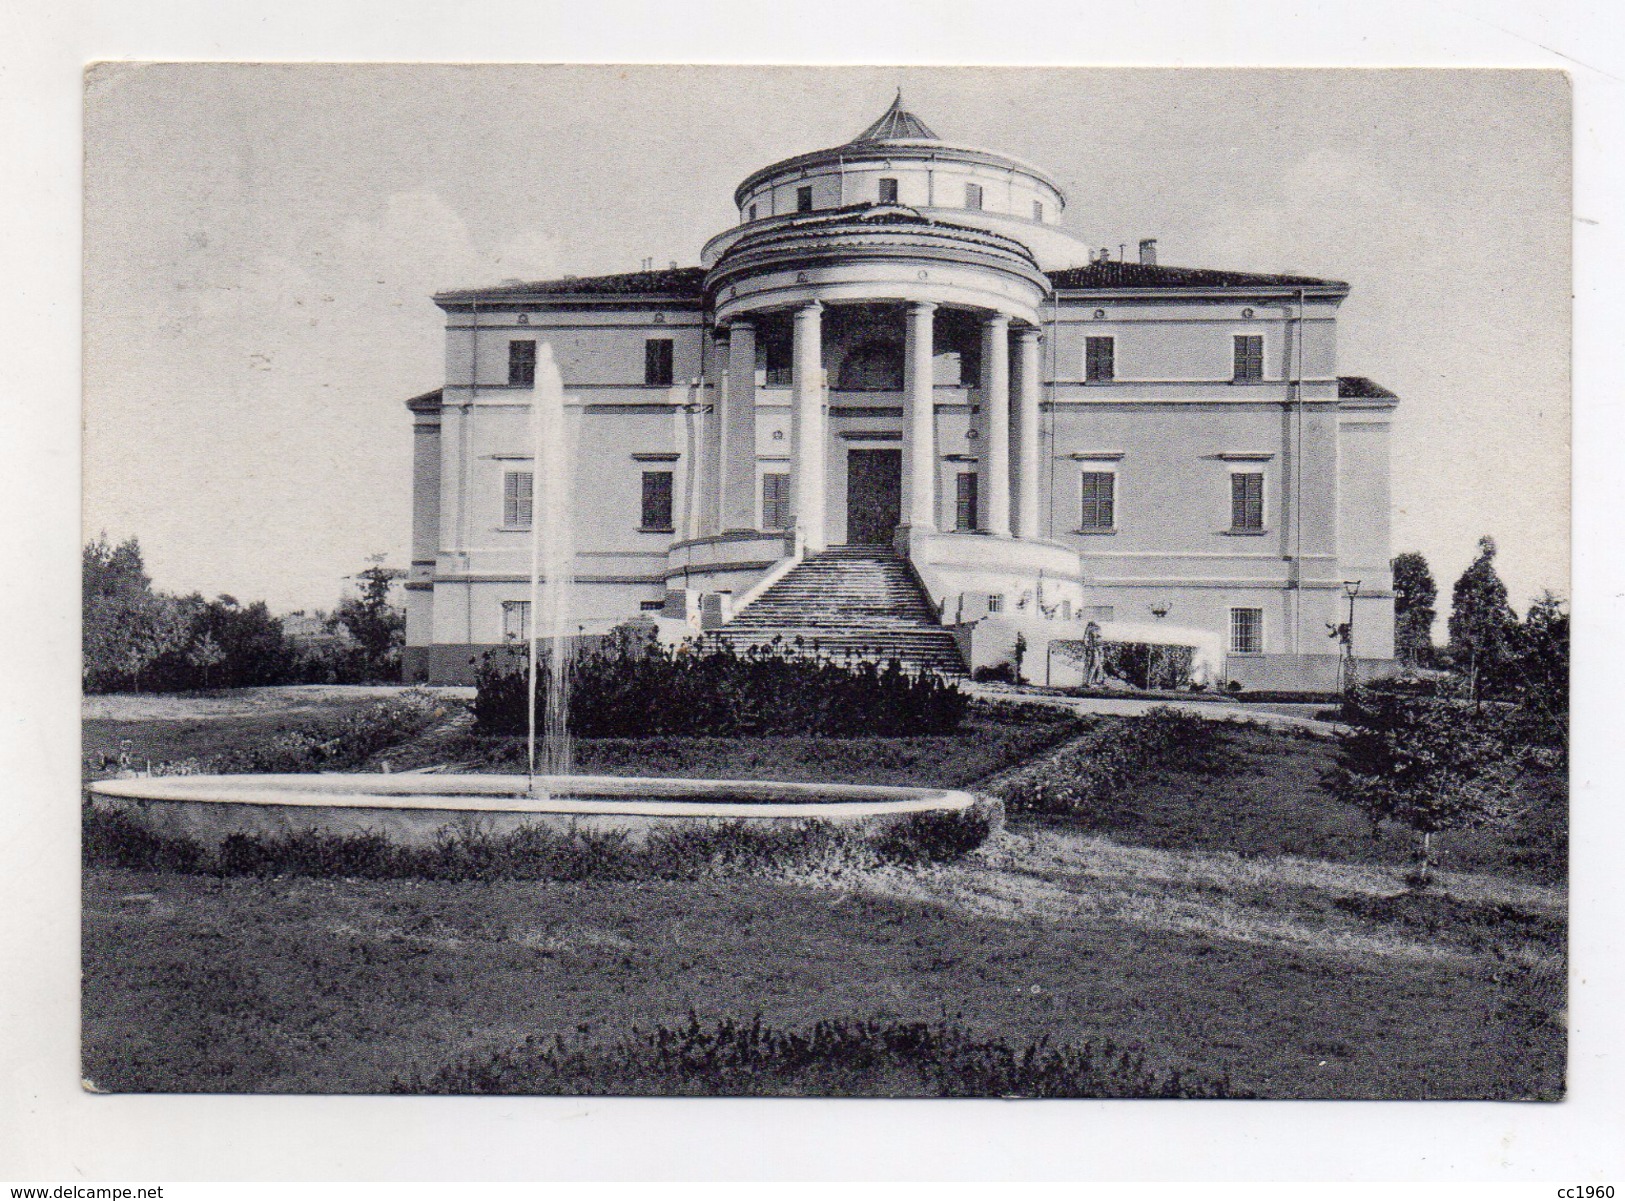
x=803, y=200
x=1247, y=500
x=1249, y=356
x=776, y=501
x=522, y=363
x=652, y=606
x=973, y=195
x=1099, y=500
x=515, y=621
x=657, y=501
x=1066, y=609
x=517, y=489
x=965, y=501
x=995, y=602
x=657, y=362
x=1038, y=210
x=1246, y=631
x=888, y=191
x=1099, y=360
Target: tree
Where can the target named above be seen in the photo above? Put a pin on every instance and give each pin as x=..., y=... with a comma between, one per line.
x=1432, y=763
x=127, y=627
x=377, y=627
x=1540, y=672
x=1482, y=624
x=1414, y=597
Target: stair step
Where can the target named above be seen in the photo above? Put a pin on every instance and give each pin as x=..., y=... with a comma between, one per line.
x=861, y=603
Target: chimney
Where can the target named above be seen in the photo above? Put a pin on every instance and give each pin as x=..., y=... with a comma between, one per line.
x=1148, y=251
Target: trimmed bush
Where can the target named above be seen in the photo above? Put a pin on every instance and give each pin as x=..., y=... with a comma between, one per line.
x=1096, y=767
x=630, y=686
x=704, y=849
x=840, y=1057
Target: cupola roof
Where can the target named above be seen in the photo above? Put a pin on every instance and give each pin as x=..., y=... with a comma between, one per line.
x=896, y=124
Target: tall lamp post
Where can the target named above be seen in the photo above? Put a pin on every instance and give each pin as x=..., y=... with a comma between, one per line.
x=1344, y=633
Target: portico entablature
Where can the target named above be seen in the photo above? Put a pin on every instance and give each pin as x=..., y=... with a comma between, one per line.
x=880, y=255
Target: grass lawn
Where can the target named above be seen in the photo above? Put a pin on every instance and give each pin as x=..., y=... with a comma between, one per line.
x=1237, y=923
x=1267, y=801
x=196, y=984
x=990, y=740
x=164, y=728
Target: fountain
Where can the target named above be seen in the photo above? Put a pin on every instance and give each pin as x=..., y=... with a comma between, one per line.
x=415, y=809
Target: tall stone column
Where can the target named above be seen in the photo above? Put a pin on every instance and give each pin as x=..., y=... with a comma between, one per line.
x=807, y=399
x=919, y=419
x=1025, y=423
x=996, y=424
x=707, y=504
x=737, y=472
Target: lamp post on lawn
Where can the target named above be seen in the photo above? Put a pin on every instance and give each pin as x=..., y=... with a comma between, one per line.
x=1344, y=633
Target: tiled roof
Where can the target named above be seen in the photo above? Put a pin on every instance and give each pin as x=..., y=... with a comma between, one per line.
x=1358, y=387
x=680, y=281
x=1113, y=273
x=896, y=124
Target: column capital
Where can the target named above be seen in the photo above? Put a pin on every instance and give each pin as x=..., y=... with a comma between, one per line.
x=739, y=323
x=1029, y=333
x=996, y=318
x=922, y=306
x=808, y=308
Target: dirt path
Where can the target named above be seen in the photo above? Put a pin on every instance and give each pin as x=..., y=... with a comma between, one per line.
x=1135, y=707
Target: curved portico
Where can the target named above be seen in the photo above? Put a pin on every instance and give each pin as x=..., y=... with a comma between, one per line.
x=921, y=313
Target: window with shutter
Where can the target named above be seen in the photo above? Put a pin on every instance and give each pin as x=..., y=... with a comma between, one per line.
x=1249, y=357
x=522, y=363
x=657, y=362
x=804, y=200
x=965, y=501
x=517, y=490
x=1099, y=500
x=1038, y=210
x=888, y=191
x=1246, y=500
x=657, y=502
x=1246, y=631
x=776, y=501
x=973, y=195
x=1100, y=360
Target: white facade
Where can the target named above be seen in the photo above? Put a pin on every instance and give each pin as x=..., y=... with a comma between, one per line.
x=900, y=344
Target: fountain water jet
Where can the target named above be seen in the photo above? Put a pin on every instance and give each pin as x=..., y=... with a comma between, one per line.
x=552, y=571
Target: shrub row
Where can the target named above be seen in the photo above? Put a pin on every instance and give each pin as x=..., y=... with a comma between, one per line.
x=336, y=743
x=841, y=1057
x=115, y=839
x=1094, y=768
x=631, y=686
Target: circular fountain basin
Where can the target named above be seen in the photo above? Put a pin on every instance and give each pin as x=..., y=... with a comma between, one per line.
x=415, y=809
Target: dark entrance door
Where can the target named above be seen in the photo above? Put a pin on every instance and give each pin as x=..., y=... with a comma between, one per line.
x=874, y=495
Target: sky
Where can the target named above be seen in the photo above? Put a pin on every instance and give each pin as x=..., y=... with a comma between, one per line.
x=261, y=245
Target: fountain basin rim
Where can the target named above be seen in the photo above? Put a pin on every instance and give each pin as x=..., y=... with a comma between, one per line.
x=476, y=794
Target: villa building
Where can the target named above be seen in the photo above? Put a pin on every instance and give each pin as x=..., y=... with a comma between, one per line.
x=900, y=408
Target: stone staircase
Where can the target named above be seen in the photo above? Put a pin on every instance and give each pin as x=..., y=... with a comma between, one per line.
x=861, y=602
